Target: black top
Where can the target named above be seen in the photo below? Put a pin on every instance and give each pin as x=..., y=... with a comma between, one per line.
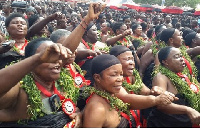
x=160, y=119
x=57, y=120
x=8, y=57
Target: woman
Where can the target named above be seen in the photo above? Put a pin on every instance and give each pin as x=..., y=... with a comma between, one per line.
x=41, y=79
x=74, y=70
x=88, y=49
x=104, y=32
x=137, y=30
x=132, y=81
x=130, y=74
x=121, y=33
x=27, y=102
x=170, y=37
x=16, y=26
x=185, y=111
x=108, y=99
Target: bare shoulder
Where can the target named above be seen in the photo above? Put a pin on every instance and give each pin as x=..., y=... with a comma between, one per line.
x=96, y=104
x=160, y=75
x=94, y=114
x=160, y=80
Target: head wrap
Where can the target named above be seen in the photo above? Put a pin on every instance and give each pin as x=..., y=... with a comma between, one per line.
x=166, y=34
x=163, y=53
x=102, y=62
x=189, y=37
x=118, y=49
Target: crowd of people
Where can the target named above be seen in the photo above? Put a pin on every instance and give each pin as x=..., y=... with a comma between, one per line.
x=91, y=66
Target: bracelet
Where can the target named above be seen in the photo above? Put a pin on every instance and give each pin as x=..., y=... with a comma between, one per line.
x=83, y=26
x=84, y=22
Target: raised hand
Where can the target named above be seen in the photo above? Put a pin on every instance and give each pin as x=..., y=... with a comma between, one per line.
x=56, y=16
x=94, y=10
x=126, y=33
x=54, y=53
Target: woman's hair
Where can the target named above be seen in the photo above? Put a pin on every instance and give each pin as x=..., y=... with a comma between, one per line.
x=125, y=17
x=12, y=16
x=164, y=53
x=31, y=9
x=144, y=26
x=33, y=19
x=33, y=45
x=117, y=26
x=166, y=34
x=189, y=37
x=158, y=28
x=150, y=33
x=186, y=32
x=88, y=27
x=135, y=26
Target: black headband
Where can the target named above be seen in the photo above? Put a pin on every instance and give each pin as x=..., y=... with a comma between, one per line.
x=103, y=62
x=118, y=49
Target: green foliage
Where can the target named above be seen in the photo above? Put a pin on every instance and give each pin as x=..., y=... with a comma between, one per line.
x=114, y=102
x=137, y=86
x=65, y=83
x=183, y=88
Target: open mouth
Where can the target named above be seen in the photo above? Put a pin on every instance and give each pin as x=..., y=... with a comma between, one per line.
x=56, y=69
x=183, y=64
x=20, y=29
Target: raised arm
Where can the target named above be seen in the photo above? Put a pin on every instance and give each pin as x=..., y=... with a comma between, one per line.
x=14, y=73
x=73, y=40
x=113, y=40
x=37, y=27
x=194, y=51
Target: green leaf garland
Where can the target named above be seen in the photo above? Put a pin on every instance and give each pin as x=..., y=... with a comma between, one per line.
x=183, y=88
x=34, y=97
x=137, y=86
x=156, y=47
x=114, y=102
x=126, y=41
x=65, y=83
